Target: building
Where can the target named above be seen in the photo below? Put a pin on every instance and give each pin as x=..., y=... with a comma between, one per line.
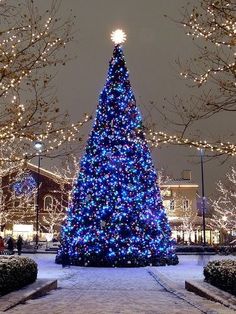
x=18, y=213
x=183, y=205
x=21, y=194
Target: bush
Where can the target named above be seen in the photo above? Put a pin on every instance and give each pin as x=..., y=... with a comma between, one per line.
x=222, y=274
x=226, y=250
x=16, y=272
x=194, y=249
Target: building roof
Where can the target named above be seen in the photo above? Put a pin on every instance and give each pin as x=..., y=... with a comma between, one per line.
x=177, y=183
x=43, y=171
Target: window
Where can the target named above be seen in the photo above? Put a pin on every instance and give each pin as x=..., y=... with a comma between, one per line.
x=48, y=202
x=172, y=205
x=169, y=205
x=185, y=204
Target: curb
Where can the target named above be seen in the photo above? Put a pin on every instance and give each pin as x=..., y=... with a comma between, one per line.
x=32, y=291
x=172, y=288
x=182, y=294
x=212, y=293
x=196, y=253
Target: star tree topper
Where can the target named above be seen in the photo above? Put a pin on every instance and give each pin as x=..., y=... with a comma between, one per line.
x=118, y=36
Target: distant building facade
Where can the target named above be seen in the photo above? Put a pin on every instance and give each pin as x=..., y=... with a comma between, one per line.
x=183, y=206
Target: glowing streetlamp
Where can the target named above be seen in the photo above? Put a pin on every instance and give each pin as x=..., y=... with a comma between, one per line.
x=38, y=146
x=203, y=199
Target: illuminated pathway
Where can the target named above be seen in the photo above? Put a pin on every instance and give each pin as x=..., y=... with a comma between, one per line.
x=107, y=290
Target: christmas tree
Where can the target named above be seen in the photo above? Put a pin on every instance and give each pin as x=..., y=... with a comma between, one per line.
x=116, y=217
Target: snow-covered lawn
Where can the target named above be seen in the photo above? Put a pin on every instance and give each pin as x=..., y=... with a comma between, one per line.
x=189, y=267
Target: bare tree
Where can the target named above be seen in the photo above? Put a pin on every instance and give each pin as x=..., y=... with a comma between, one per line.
x=214, y=69
x=64, y=176
x=189, y=218
x=53, y=218
x=224, y=205
x=211, y=73
x=32, y=44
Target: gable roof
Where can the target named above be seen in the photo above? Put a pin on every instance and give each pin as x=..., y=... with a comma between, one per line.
x=43, y=171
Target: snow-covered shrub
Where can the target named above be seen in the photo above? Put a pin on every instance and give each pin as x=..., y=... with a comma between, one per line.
x=16, y=272
x=222, y=274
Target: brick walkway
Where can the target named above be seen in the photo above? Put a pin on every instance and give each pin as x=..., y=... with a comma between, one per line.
x=107, y=290
x=116, y=290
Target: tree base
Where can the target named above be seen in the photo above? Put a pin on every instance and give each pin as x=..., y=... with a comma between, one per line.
x=126, y=262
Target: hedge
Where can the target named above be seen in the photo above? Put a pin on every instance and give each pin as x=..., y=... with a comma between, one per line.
x=222, y=274
x=194, y=249
x=16, y=272
x=226, y=250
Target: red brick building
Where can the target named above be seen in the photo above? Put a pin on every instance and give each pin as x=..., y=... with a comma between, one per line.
x=18, y=212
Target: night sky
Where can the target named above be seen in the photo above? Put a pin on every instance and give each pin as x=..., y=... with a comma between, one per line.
x=153, y=44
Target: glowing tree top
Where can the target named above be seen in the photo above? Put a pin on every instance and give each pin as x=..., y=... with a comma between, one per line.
x=117, y=217
x=118, y=37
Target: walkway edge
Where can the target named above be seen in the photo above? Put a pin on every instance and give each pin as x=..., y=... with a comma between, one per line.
x=212, y=293
x=32, y=291
x=172, y=288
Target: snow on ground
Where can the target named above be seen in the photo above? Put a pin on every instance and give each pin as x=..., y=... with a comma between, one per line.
x=190, y=267
x=112, y=290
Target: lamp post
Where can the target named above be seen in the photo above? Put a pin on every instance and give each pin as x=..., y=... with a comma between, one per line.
x=203, y=198
x=223, y=237
x=38, y=145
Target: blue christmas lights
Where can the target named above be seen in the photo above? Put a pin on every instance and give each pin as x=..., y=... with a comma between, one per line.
x=25, y=185
x=116, y=217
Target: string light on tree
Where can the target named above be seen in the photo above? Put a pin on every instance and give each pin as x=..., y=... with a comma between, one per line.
x=223, y=204
x=30, y=44
x=156, y=138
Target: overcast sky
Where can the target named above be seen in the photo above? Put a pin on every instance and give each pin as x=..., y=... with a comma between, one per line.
x=153, y=44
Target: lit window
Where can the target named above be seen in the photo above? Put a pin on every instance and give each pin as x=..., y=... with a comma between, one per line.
x=166, y=193
x=48, y=202
x=166, y=204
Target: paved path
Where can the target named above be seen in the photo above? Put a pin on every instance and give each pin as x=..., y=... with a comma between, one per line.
x=107, y=290
x=110, y=291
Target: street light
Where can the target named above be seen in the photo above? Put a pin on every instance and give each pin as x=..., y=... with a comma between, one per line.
x=203, y=198
x=38, y=145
